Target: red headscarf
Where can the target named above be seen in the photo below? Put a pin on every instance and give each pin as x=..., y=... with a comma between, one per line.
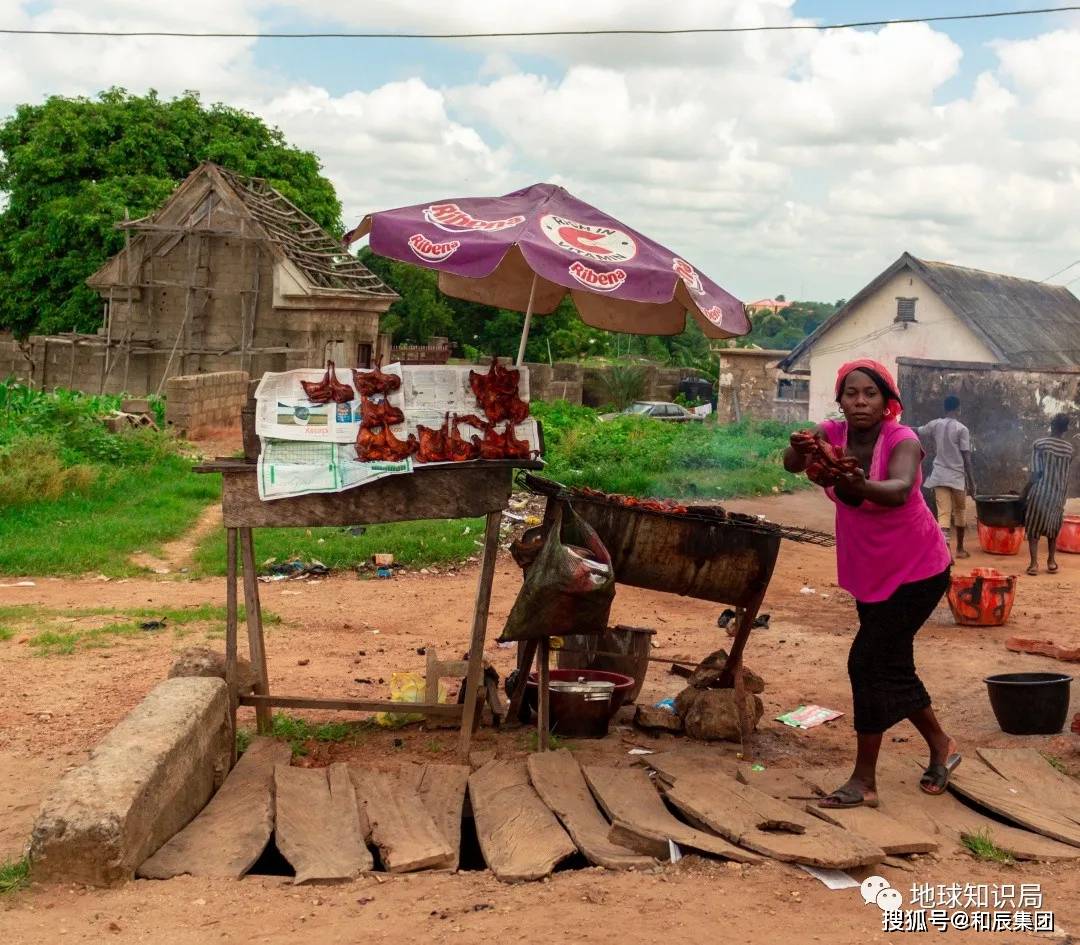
x=893, y=406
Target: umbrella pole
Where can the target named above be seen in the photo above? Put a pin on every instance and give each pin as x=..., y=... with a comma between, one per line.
x=525, y=327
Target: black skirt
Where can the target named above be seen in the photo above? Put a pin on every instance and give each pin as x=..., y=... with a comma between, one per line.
x=881, y=665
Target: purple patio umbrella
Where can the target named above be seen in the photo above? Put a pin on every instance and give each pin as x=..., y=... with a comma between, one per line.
x=524, y=251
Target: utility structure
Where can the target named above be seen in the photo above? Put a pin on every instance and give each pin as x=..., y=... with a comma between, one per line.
x=226, y=275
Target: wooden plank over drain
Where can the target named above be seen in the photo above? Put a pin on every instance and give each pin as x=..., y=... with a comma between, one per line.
x=401, y=827
x=442, y=791
x=558, y=780
x=640, y=820
x=774, y=828
x=521, y=839
x=231, y=832
x=318, y=824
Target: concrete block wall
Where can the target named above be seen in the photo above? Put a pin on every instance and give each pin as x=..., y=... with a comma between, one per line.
x=195, y=403
x=12, y=362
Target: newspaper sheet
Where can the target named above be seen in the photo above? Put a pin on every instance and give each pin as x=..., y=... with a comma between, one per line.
x=310, y=447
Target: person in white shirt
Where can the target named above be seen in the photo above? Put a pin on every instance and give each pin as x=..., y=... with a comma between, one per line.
x=951, y=477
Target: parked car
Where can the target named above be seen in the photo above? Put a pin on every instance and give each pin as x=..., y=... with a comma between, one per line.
x=658, y=410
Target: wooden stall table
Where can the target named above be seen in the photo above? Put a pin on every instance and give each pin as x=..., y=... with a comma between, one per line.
x=461, y=490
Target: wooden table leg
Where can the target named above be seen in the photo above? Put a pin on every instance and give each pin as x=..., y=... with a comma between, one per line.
x=479, y=628
x=256, y=645
x=543, y=693
x=230, y=635
x=732, y=674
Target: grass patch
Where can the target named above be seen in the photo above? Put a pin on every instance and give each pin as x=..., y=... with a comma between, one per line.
x=243, y=740
x=1051, y=760
x=127, y=510
x=413, y=544
x=982, y=847
x=643, y=457
x=59, y=632
x=75, y=497
x=14, y=875
x=6, y=633
x=531, y=742
x=298, y=732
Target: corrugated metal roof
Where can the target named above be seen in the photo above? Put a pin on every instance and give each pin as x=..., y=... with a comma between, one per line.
x=1033, y=324
x=1026, y=324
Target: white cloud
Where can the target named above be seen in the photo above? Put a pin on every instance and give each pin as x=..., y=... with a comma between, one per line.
x=799, y=162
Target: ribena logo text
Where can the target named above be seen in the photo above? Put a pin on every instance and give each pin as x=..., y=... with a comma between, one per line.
x=449, y=216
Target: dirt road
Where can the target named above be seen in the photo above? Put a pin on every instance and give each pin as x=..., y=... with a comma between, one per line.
x=345, y=636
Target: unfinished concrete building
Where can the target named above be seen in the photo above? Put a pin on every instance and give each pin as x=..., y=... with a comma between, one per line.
x=227, y=275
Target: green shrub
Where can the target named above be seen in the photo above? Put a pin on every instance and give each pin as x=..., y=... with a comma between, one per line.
x=624, y=384
x=32, y=470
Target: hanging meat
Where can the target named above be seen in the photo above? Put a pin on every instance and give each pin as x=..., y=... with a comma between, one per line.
x=461, y=449
x=375, y=381
x=328, y=389
x=377, y=413
x=504, y=445
x=497, y=393
x=373, y=446
x=434, y=444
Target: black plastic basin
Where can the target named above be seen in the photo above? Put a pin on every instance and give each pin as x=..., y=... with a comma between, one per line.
x=999, y=511
x=1030, y=703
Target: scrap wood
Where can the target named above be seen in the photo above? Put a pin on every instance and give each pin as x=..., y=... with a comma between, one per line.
x=1026, y=767
x=641, y=820
x=521, y=839
x=1068, y=654
x=442, y=790
x=898, y=789
x=229, y=834
x=774, y=828
x=318, y=824
x=401, y=827
x=895, y=837
x=1016, y=801
x=558, y=780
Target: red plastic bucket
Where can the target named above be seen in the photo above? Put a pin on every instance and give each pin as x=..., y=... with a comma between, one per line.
x=999, y=540
x=1069, y=536
x=983, y=598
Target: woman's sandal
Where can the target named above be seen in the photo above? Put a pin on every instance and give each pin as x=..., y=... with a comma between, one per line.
x=1052, y=568
x=845, y=797
x=937, y=775
x=1033, y=570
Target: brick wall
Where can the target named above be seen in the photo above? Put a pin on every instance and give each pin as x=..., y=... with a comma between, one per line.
x=748, y=387
x=1005, y=411
x=195, y=403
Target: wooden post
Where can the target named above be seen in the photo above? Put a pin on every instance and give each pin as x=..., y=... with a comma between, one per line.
x=543, y=693
x=479, y=628
x=230, y=635
x=526, y=658
x=256, y=647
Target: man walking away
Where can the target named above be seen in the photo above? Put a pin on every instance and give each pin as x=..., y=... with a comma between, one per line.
x=951, y=474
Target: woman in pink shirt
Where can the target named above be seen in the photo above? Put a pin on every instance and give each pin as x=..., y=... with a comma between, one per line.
x=892, y=558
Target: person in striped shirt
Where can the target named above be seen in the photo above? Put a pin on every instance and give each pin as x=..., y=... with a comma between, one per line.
x=1046, y=492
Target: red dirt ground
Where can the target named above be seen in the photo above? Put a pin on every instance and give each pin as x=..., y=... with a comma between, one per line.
x=53, y=709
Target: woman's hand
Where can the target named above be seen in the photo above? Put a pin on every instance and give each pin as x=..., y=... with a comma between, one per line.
x=802, y=441
x=852, y=482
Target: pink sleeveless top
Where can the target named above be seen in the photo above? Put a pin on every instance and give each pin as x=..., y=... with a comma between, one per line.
x=878, y=548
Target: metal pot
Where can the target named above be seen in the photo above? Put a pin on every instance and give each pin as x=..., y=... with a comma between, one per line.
x=1000, y=511
x=581, y=708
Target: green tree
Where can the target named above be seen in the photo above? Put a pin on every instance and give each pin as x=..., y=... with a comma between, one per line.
x=786, y=328
x=71, y=166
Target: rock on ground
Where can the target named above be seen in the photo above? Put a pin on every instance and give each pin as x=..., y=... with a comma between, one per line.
x=656, y=719
x=713, y=714
x=708, y=672
x=146, y=779
x=203, y=661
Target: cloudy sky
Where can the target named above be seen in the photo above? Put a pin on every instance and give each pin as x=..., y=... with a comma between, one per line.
x=795, y=162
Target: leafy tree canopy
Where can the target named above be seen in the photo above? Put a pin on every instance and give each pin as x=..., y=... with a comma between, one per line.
x=786, y=328
x=70, y=167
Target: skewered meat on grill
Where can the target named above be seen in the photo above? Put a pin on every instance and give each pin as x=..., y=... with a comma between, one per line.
x=375, y=381
x=434, y=444
x=630, y=502
x=382, y=446
x=462, y=450
x=497, y=393
x=329, y=388
x=379, y=413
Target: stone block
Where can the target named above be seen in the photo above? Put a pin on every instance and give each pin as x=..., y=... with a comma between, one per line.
x=145, y=781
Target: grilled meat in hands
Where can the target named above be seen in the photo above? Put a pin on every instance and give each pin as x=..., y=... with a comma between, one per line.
x=378, y=413
x=328, y=389
x=375, y=381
